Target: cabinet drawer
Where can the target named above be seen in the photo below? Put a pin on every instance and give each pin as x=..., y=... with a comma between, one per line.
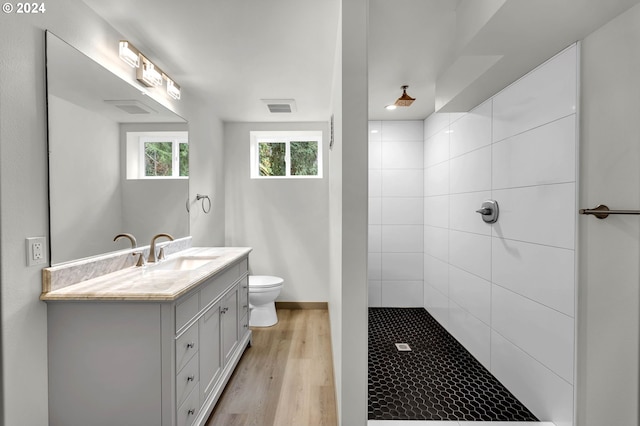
x=189, y=410
x=186, y=310
x=243, y=289
x=186, y=380
x=214, y=288
x=186, y=346
x=244, y=325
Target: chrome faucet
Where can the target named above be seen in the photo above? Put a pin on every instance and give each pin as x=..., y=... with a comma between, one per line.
x=152, y=248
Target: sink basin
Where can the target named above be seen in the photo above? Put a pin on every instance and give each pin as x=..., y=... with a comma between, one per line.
x=184, y=263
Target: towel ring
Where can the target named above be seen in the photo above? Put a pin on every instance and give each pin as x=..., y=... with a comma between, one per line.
x=204, y=197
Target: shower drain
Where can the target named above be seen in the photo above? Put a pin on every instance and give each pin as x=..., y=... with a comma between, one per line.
x=403, y=347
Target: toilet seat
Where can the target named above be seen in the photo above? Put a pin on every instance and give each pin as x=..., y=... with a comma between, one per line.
x=260, y=282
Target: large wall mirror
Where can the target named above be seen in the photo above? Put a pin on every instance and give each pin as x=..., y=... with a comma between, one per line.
x=99, y=185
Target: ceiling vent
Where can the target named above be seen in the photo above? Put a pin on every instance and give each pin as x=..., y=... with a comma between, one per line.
x=132, y=107
x=280, y=106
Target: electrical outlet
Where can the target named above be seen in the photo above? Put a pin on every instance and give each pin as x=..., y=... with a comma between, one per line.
x=36, y=251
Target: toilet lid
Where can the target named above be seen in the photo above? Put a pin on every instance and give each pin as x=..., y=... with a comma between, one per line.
x=264, y=281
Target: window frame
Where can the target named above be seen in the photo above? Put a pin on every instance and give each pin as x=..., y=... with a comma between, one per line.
x=286, y=137
x=175, y=155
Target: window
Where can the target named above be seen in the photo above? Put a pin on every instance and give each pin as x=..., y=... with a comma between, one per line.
x=286, y=154
x=164, y=157
x=157, y=155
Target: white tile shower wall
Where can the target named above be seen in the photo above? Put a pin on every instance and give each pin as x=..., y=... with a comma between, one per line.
x=396, y=213
x=507, y=291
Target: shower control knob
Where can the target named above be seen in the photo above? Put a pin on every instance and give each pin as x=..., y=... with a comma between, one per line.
x=489, y=211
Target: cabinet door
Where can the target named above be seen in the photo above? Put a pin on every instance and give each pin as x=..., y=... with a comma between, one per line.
x=210, y=353
x=229, y=322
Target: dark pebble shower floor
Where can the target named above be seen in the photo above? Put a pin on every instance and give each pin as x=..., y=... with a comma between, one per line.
x=437, y=380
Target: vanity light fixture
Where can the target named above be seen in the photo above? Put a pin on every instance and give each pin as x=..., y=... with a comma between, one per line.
x=129, y=54
x=148, y=74
x=173, y=89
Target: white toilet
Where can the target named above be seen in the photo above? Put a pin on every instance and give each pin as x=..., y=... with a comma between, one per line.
x=263, y=290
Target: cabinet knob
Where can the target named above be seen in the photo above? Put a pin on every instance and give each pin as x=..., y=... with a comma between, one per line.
x=245, y=306
x=190, y=345
x=191, y=378
x=191, y=411
x=246, y=325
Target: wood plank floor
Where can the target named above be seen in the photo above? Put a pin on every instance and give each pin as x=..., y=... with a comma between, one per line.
x=285, y=378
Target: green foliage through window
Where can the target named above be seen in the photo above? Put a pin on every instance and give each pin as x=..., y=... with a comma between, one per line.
x=286, y=154
x=304, y=158
x=272, y=158
x=166, y=159
x=158, y=158
x=184, y=159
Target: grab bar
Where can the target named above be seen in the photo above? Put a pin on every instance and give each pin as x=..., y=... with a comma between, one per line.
x=602, y=211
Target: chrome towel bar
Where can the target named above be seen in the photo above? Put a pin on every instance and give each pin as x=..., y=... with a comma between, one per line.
x=602, y=212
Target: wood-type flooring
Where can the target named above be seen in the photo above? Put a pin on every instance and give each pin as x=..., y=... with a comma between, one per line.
x=285, y=378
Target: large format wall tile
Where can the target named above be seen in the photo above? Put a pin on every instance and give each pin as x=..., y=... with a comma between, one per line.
x=471, y=293
x=402, y=183
x=407, y=294
x=544, y=155
x=402, y=238
x=471, y=252
x=513, y=280
x=436, y=149
x=436, y=180
x=472, y=131
x=375, y=293
x=541, y=273
x=542, y=214
x=375, y=183
x=402, y=211
x=396, y=211
x=474, y=334
x=542, y=96
x=438, y=305
x=547, y=395
x=436, y=242
x=547, y=335
x=402, y=155
x=402, y=266
x=402, y=130
x=436, y=211
x=471, y=172
x=436, y=274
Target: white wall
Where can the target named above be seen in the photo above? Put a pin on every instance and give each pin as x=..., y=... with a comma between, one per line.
x=609, y=274
x=396, y=213
x=348, y=197
x=24, y=190
x=507, y=291
x=285, y=221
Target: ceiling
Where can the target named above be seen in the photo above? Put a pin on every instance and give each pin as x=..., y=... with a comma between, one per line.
x=453, y=54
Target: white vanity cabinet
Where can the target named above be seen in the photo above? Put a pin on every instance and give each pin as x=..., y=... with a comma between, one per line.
x=147, y=363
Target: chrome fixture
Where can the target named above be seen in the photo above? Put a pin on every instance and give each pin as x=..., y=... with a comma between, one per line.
x=152, y=248
x=602, y=211
x=131, y=238
x=147, y=72
x=489, y=211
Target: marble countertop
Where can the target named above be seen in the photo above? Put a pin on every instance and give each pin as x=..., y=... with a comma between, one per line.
x=151, y=282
